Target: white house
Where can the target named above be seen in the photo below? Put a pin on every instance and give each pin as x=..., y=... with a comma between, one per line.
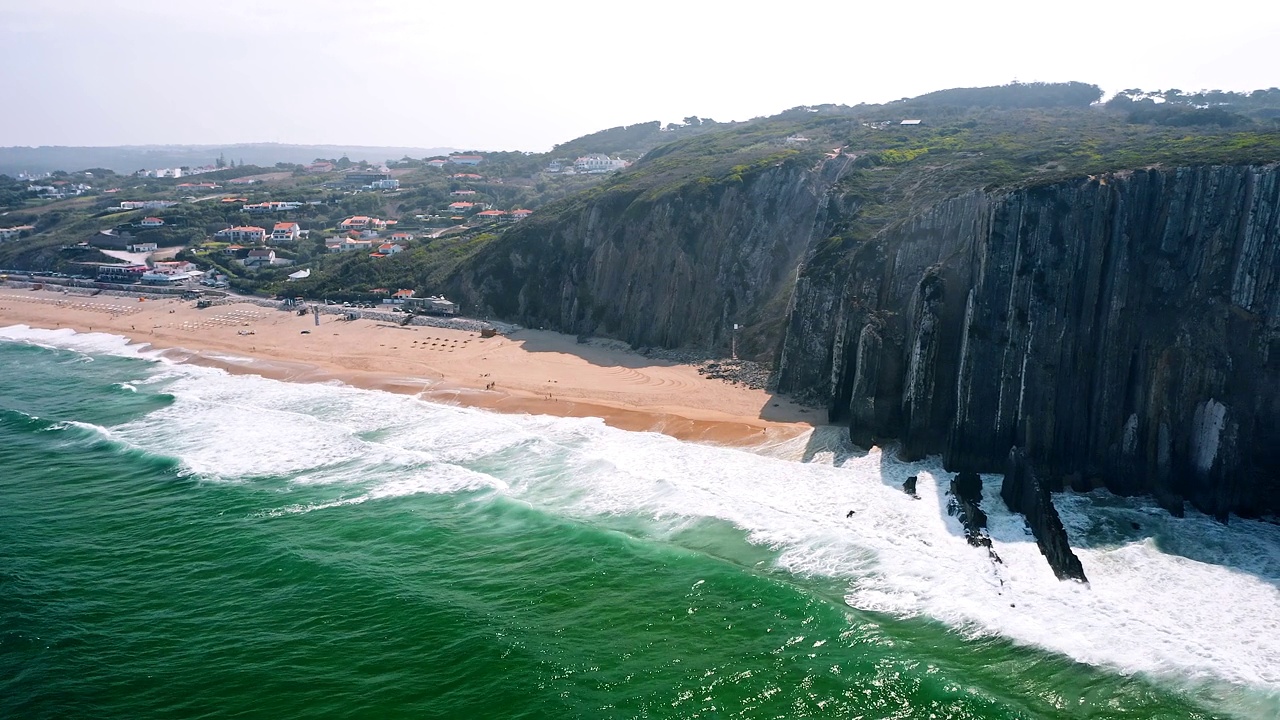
x=437, y=163
x=436, y=304
x=174, y=267
x=242, y=234
x=259, y=257
x=388, y=184
x=598, y=163
x=345, y=244
x=161, y=173
x=143, y=247
x=151, y=222
x=362, y=222
x=286, y=232
x=272, y=206
x=146, y=204
x=157, y=278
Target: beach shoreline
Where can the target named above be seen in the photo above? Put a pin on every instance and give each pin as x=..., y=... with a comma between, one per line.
x=527, y=372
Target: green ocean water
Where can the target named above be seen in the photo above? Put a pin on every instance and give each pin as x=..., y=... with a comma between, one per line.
x=159, y=559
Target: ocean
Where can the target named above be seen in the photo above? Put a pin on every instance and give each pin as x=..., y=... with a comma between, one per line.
x=179, y=542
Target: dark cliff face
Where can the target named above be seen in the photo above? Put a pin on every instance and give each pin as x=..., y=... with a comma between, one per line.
x=1123, y=330
x=675, y=270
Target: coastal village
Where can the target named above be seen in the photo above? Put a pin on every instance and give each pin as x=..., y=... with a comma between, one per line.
x=213, y=228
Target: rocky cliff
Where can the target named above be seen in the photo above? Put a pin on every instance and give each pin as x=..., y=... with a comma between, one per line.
x=1123, y=330
x=663, y=269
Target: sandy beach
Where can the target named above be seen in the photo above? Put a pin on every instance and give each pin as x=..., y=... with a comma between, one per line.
x=530, y=371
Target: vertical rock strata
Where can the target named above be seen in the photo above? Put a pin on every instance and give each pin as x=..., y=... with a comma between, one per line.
x=664, y=267
x=1122, y=330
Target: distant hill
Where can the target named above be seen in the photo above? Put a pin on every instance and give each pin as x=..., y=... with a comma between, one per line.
x=130, y=158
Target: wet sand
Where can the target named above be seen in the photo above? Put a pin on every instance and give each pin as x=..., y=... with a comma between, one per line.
x=531, y=371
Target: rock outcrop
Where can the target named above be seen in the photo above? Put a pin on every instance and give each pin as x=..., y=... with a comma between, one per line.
x=1023, y=492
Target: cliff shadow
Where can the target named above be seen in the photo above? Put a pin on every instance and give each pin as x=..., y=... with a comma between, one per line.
x=597, y=351
x=608, y=353
x=1101, y=520
x=830, y=441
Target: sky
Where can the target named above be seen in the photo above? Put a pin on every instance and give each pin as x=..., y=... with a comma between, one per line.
x=501, y=75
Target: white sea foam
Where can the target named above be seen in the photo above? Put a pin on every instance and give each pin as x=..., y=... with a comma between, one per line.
x=1186, y=597
x=68, y=339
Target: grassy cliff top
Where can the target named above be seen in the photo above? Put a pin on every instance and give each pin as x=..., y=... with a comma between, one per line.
x=965, y=139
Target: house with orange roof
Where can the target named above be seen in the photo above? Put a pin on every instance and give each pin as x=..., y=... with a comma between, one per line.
x=151, y=222
x=10, y=233
x=347, y=244
x=401, y=236
x=286, y=232
x=399, y=296
x=461, y=206
x=362, y=222
x=391, y=248
x=490, y=214
x=520, y=214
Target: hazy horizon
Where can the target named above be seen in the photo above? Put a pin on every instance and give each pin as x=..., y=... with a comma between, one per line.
x=515, y=76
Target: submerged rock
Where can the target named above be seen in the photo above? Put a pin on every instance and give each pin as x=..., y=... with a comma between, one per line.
x=966, y=505
x=909, y=487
